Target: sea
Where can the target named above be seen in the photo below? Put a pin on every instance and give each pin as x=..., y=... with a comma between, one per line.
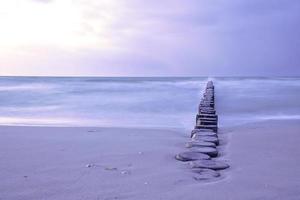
x=154, y=102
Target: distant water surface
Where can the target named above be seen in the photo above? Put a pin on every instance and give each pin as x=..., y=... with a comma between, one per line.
x=246, y=100
x=142, y=102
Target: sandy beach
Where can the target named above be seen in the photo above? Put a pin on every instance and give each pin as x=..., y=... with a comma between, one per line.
x=149, y=100
x=135, y=163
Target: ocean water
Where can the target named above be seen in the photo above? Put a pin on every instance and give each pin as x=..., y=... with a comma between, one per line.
x=247, y=100
x=143, y=102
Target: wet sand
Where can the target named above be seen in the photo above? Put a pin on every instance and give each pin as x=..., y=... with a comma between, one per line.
x=134, y=163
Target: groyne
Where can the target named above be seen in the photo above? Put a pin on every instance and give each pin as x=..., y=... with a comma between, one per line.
x=202, y=148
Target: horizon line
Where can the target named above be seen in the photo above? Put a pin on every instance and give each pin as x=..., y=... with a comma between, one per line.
x=158, y=76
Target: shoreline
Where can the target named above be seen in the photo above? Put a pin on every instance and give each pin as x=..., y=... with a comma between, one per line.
x=138, y=163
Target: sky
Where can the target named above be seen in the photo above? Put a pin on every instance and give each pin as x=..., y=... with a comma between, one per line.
x=150, y=38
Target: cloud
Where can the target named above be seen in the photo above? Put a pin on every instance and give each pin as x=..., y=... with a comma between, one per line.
x=175, y=37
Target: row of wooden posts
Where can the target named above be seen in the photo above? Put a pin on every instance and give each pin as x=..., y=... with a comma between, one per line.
x=202, y=148
x=207, y=119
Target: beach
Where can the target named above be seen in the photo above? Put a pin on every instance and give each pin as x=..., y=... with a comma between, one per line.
x=149, y=100
x=133, y=163
x=116, y=138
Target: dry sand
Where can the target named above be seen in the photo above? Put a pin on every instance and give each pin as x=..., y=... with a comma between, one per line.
x=115, y=163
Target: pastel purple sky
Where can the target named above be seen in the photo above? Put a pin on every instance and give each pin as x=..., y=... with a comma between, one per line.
x=146, y=38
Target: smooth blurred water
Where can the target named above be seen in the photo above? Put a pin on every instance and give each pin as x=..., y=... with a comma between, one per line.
x=246, y=100
x=125, y=102
x=142, y=102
